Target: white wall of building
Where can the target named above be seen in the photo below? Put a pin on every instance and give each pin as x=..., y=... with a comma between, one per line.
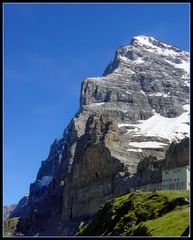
x=188, y=178
x=176, y=178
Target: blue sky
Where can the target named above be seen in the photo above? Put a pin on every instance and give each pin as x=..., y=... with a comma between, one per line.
x=49, y=49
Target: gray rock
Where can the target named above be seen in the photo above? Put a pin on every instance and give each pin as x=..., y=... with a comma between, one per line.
x=7, y=210
x=178, y=154
x=21, y=209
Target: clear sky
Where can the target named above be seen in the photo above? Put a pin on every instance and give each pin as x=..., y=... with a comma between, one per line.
x=49, y=49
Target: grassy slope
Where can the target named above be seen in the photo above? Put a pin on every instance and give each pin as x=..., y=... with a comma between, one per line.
x=172, y=224
x=10, y=226
x=165, y=213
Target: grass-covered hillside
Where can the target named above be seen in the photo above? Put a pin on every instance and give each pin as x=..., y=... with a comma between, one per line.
x=10, y=225
x=164, y=213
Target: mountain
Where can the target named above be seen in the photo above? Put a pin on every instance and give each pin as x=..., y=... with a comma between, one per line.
x=127, y=117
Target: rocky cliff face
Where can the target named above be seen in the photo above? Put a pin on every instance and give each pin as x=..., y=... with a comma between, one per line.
x=7, y=210
x=131, y=113
x=177, y=155
x=22, y=208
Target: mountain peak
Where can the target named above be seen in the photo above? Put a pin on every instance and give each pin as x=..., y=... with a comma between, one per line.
x=143, y=39
x=151, y=43
x=144, y=49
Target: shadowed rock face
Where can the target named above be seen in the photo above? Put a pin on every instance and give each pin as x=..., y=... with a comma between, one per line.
x=177, y=154
x=7, y=210
x=91, y=178
x=104, y=149
x=21, y=209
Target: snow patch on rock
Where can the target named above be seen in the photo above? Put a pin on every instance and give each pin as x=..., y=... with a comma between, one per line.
x=159, y=126
x=44, y=181
x=163, y=49
x=149, y=144
x=143, y=92
x=134, y=150
x=158, y=94
x=185, y=65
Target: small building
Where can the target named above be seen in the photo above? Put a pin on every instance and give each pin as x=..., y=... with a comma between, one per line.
x=176, y=178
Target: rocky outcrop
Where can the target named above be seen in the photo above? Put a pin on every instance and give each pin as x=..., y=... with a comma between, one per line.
x=149, y=171
x=127, y=119
x=177, y=154
x=90, y=182
x=7, y=210
x=21, y=209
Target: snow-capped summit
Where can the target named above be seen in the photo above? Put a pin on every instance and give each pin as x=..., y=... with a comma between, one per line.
x=150, y=53
x=143, y=40
x=149, y=81
x=152, y=43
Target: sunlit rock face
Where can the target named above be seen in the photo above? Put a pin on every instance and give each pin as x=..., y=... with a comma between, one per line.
x=118, y=138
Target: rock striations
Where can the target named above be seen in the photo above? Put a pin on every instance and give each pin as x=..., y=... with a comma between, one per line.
x=130, y=114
